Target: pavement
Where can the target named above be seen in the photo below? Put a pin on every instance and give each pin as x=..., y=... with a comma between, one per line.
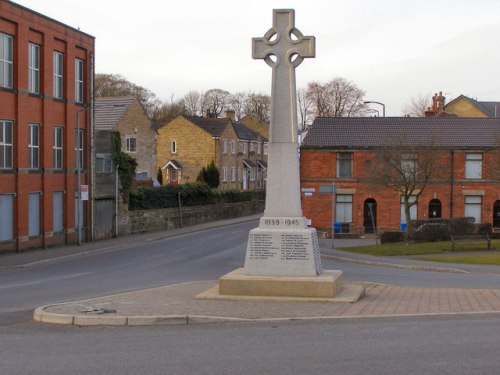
x=175, y=304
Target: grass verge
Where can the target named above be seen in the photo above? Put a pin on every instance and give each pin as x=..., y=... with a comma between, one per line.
x=482, y=259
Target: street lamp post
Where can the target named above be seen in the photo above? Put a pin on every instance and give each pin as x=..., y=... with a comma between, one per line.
x=373, y=102
x=78, y=178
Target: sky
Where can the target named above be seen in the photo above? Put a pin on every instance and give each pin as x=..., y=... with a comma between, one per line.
x=394, y=50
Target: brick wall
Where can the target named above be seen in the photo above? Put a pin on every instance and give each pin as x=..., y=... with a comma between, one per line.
x=169, y=218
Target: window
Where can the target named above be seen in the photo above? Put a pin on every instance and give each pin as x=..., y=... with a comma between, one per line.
x=131, y=144
x=473, y=207
x=79, y=149
x=224, y=146
x=224, y=174
x=34, y=215
x=34, y=146
x=79, y=73
x=58, y=148
x=413, y=209
x=252, y=147
x=57, y=212
x=233, y=174
x=259, y=148
x=473, y=165
x=173, y=147
x=172, y=175
x=343, y=208
x=6, y=61
x=409, y=165
x=34, y=68
x=344, y=164
x=58, y=75
x=6, y=217
x=5, y=144
x=266, y=146
x=244, y=147
x=103, y=163
x=233, y=147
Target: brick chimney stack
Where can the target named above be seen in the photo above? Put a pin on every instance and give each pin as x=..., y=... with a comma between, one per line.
x=230, y=114
x=437, y=107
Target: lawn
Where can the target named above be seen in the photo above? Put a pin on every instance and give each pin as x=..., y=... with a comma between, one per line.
x=423, y=248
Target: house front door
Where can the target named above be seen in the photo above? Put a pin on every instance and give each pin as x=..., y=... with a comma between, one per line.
x=370, y=215
x=173, y=176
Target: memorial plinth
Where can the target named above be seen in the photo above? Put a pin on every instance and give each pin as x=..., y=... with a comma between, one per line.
x=283, y=258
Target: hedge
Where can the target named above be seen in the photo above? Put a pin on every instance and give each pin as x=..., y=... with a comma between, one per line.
x=192, y=194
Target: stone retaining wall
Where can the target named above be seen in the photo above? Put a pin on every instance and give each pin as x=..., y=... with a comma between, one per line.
x=140, y=221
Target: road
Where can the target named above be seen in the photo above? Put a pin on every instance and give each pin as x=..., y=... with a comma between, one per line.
x=412, y=345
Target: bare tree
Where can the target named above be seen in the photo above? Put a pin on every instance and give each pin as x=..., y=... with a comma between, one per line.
x=168, y=110
x=259, y=105
x=216, y=101
x=237, y=103
x=336, y=98
x=116, y=85
x=408, y=169
x=193, y=103
x=417, y=106
x=304, y=108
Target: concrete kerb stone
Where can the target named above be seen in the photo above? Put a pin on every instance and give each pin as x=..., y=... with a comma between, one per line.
x=394, y=265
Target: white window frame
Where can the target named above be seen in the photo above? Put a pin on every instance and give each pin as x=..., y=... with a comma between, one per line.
x=34, y=68
x=34, y=146
x=58, y=148
x=252, y=146
x=473, y=207
x=233, y=174
x=266, y=148
x=79, y=79
x=58, y=72
x=173, y=146
x=474, y=166
x=343, y=208
x=224, y=174
x=6, y=61
x=128, y=144
x=344, y=164
x=6, y=144
x=233, y=147
x=259, y=148
x=244, y=147
x=224, y=146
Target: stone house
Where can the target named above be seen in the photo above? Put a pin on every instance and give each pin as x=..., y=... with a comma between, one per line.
x=127, y=116
x=342, y=151
x=188, y=143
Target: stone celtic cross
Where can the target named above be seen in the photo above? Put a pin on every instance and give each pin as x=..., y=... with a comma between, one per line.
x=283, y=48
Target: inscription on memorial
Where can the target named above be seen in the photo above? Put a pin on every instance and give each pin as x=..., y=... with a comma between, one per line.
x=294, y=247
x=262, y=246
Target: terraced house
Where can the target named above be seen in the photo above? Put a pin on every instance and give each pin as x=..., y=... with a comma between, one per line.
x=463, y=179
x=46, y=72
x=188, y=143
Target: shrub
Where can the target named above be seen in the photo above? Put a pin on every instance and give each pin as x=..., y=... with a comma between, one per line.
x=391, y=236
x=431, y=232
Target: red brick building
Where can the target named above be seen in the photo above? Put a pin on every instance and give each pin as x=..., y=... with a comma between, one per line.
x=46, y=73
x=342, y=151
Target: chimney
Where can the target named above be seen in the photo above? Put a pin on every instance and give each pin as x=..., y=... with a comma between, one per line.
x=440, y=102
x=210, y=114
x=230, y=114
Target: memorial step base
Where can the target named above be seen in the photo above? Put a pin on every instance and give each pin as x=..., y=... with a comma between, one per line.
x=327, y=287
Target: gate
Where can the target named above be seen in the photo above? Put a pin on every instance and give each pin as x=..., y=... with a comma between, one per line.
x=104, y=219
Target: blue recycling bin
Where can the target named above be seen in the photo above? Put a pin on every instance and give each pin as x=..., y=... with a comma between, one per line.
x=336, y=225
x=403, y=227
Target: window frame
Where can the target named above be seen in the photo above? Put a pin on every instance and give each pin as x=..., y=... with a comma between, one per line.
x=343, y=203
x=233, y=147
x=472, y=172
x=58, y=75
x=344, y=164
x=34, y=68
x=79, y=80
x=472, y=206
x=6, y=144
x=173, y=146
x=6, y=61
x=102, y=162
x=33, y=146
x=128, y=139
x=57, y=148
